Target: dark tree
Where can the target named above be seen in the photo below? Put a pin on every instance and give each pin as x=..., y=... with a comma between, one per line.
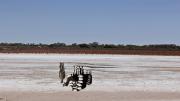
x=83, y=45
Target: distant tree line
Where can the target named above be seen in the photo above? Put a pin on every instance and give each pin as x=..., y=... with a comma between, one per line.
x=93, y=45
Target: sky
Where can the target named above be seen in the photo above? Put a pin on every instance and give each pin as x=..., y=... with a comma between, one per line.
x=83, y=21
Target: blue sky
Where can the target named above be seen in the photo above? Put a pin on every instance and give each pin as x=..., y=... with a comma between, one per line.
x=84, y=21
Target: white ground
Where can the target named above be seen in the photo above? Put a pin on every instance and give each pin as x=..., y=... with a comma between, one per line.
x=39, y=72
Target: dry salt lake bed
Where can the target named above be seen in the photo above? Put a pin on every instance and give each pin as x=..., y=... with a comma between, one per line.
x=111, y=73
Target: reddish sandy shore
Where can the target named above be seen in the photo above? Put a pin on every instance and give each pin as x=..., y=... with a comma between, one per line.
x=89, y=96
x=94, y=51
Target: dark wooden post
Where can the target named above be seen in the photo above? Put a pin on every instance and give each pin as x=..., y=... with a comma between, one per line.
x=61, y=71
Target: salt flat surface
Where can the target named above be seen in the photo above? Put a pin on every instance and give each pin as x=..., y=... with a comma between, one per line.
x=39, y=72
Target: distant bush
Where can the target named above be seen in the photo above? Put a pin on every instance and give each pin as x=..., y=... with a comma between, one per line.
x=57, y=45
x=84, y=45
x=93, y=45
x=110, y=46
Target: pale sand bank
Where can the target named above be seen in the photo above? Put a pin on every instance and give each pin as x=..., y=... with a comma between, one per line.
x=90, y=96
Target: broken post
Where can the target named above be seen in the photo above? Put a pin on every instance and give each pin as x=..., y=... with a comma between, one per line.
x=61, y=71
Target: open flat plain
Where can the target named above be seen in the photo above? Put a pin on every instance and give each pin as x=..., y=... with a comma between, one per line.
x=34, y=77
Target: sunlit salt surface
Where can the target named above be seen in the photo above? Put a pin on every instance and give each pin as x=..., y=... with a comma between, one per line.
x=39, y=72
